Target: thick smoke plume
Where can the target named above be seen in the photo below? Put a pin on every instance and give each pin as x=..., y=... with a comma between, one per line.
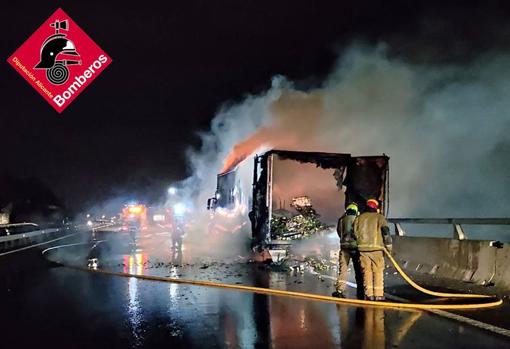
x=292, y=113
x=446, y=129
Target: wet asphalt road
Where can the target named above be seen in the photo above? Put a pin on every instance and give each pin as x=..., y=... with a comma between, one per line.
x=57, y=307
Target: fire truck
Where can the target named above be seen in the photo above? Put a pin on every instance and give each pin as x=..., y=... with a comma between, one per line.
x=134, y=218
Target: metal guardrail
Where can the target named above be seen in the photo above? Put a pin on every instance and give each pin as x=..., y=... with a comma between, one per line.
x=27, y=235
x=17, y=228
x=13, y=225
x=487, y=221
x=10, y=242
x=22, y=239
x=458, y=232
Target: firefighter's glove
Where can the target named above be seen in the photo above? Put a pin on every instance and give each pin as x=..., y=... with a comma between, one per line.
x=385, y=231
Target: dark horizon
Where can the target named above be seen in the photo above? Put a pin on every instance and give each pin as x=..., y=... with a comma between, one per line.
x=175, y=65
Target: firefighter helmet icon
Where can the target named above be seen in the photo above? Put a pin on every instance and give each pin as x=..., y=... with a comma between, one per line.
x=57, y=52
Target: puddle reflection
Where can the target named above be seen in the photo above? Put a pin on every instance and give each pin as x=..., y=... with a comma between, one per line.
x=254, y=320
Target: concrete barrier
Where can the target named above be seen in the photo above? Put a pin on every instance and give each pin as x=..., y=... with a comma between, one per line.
x=502, y=272
x=450, y=261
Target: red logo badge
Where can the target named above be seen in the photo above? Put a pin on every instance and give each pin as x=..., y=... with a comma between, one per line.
x=59, y=60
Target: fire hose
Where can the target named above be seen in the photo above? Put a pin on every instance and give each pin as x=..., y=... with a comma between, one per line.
x=489, y=302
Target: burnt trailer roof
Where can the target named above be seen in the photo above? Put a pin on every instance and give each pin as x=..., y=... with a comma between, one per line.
x=321, y=159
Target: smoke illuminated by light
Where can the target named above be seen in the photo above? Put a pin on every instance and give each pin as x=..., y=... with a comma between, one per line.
x=179, y=209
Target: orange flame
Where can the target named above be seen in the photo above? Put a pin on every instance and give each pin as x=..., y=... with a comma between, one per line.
x=294, y=117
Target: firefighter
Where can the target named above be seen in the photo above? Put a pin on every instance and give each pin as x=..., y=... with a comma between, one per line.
x=348, y=250
x=372, y=235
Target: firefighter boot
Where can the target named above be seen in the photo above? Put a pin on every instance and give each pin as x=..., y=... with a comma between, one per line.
x=338, y=294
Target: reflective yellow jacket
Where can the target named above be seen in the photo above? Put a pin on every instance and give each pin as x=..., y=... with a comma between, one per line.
x=369, y=233
x=345, y=232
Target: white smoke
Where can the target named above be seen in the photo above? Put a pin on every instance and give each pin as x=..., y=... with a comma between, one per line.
x=446, y=129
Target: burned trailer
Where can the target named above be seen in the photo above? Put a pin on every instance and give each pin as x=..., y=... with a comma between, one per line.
x=232, y=200
x=305, y=190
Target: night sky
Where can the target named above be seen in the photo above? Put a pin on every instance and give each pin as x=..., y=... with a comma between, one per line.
x=175, y=63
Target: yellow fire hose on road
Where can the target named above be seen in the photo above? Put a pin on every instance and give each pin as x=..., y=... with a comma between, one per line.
x=434, y=293
x=488, y=303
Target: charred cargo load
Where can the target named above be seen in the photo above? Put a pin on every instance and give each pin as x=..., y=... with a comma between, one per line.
x=289, y=193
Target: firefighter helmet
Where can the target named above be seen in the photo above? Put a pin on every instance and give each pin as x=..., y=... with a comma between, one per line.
x=373, y=203
x=353, y=207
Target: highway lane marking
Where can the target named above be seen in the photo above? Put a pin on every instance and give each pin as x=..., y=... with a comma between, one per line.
x=443, y=313
x=460, y=318
x=75, y=244
x=39, y=244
